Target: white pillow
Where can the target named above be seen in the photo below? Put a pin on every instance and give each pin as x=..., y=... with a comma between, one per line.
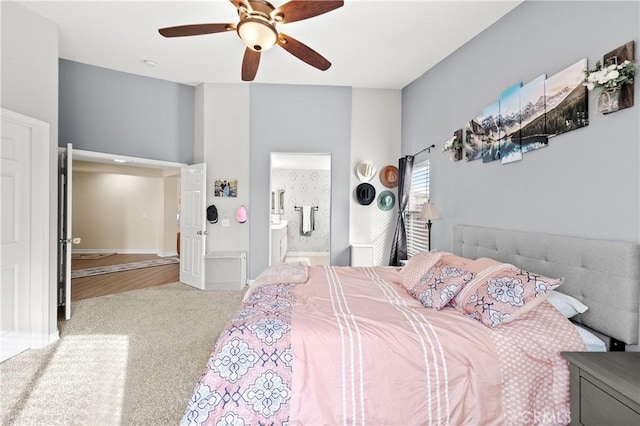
x=592, y=343
x=567, y=305
x=293, y=272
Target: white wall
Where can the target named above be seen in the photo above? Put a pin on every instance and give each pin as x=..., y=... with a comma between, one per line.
x=30, y=87
x=222, y=141
x=125, y=208
x=375, y=136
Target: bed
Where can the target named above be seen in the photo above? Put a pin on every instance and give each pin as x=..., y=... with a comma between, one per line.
x=419, y=344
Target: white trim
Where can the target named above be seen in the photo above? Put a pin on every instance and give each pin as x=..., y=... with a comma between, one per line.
x=127, y=251
x=103, y=157
x=119, y=251
x=41, y=281
x=307, y=253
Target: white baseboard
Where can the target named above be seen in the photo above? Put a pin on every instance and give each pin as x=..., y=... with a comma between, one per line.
x=119, y=251
x=307, y=253
x=168, y=254
x=42, y=340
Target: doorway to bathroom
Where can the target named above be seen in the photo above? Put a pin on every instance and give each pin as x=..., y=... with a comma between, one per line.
x=300, y=208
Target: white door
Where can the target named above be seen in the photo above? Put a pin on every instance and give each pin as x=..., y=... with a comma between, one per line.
x=193, y=198
x=15, y=178
x=65, y=208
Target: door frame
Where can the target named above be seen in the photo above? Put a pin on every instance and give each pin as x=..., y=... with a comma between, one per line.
x=42, y=283
x=111, y=159
x=65, y=220
x=303, y=161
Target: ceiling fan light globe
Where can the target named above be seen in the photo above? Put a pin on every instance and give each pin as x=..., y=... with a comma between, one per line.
x=257, y=34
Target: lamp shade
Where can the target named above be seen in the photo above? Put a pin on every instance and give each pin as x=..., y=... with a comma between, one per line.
x=429, y=211
x=257, y=34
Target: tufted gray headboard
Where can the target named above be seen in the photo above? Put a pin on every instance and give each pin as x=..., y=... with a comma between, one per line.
x=604, y=275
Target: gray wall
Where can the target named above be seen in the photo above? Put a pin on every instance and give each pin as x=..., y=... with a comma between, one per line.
x=299, y=119
x=586, y=182
x=109, y=111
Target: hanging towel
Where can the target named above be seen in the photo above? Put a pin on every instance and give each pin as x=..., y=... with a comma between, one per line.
x=307, y=224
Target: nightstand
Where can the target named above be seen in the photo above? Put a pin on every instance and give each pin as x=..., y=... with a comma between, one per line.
x=605, y=388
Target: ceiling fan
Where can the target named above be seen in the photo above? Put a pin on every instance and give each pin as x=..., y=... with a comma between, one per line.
x=257, y=29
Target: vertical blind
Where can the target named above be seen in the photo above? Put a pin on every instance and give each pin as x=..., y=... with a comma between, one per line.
x=417, y=234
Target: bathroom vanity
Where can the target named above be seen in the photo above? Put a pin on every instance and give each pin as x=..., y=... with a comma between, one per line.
x=278, y=242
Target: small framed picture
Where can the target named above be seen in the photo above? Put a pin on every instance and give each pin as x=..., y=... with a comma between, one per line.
x=225, y=188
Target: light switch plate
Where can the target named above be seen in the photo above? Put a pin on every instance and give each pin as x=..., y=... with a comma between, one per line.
x=225, y=223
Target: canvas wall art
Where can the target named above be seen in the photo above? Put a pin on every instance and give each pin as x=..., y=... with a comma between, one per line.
x=618, y=56
x=566, y=100
x=533, y=127
x=510, y=125
x=473, y=139
x=490, y=133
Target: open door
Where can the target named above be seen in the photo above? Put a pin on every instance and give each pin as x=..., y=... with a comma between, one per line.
x=65, y=170
x=16, y=150
x=193, y=240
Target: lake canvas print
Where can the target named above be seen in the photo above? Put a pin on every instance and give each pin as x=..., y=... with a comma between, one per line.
x=510, y=125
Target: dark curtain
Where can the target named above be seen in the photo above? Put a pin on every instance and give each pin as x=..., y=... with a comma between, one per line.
x=399, y=247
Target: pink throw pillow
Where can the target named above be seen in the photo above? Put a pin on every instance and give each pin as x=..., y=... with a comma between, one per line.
x=418, y=266
x=441, y=284
x=502, y=293
x=455, y=260
x=481, y=264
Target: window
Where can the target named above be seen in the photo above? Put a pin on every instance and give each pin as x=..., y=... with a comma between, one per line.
x=417, y=234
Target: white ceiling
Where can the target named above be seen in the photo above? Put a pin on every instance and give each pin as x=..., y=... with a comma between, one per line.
x=371, y=43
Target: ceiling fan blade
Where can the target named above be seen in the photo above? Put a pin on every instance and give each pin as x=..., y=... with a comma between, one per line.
x=196, y=29
x=297, y=10
x=250, y=64
x=303, y=52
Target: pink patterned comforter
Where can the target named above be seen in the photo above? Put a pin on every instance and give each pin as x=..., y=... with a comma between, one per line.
x=351, y=346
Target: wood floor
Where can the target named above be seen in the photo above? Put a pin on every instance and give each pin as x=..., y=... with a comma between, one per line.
x=117, y=282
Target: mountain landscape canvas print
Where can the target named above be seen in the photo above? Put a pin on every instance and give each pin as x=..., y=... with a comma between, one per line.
x=491, y=133
x=473, y=139
x=533, y=125
x=566, y=100
x=510, y=125
x=525, y=117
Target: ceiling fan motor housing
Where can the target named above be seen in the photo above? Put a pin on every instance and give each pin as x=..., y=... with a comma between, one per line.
x=257, y=33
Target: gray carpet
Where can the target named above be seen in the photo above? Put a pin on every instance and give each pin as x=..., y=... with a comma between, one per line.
x=128, y=358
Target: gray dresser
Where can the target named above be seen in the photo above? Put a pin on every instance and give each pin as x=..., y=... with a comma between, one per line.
x=605, y=388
